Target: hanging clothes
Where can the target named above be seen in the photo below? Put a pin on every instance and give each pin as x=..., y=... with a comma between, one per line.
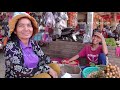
x=49, y=20
x=72, y=21
x=60, y=16
x=61, y=22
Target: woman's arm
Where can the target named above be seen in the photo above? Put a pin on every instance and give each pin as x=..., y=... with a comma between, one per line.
x=104, y=46
x=82, y=53
x=74, y=58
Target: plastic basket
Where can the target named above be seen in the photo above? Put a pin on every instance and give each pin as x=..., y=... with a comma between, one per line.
x=102, y=67
x=89, y=70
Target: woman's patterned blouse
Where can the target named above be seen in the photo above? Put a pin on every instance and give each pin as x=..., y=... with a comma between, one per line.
x=14, y=61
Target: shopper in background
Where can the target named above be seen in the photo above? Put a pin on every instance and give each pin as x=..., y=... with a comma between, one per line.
x=109, y=32
x=118, y=28
x=116, y=34
x=104, y=32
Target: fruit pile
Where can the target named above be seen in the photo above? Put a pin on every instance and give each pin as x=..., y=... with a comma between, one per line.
x=110, y=71
x=97, y=74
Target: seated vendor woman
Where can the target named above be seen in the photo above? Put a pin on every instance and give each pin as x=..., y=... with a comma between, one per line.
x=94, y=52
x=23, y=57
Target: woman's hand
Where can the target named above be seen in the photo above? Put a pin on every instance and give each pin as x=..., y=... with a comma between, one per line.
x=65, y=61
x=53, y=73
x=104, y=46
x=99, y=35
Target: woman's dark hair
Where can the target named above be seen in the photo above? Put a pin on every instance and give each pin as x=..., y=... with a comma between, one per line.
x=13, y=37
x=96, y=30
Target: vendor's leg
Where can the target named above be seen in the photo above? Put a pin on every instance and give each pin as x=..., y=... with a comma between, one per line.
x=55, y=67
x=42, y=75
x=102, y=59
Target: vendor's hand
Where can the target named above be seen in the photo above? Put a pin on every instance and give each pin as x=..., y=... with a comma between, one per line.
x=65, y=61
x=99, y=35
x=53, y=73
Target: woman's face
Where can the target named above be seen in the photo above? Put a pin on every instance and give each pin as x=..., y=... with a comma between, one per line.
x=96, y=39
x=24, y=29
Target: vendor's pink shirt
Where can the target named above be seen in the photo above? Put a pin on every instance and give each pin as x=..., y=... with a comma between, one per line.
x=92, y=56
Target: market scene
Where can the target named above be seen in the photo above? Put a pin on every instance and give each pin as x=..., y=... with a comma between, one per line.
x=59, y=44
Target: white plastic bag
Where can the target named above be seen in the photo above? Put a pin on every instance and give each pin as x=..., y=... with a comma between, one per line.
x=66, y=75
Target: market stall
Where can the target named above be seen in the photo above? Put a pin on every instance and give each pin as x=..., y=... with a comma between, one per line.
x=98, y=21
x=72, y=21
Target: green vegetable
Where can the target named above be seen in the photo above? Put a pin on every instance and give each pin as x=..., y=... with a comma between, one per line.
x=110, y=41
x=92, y=64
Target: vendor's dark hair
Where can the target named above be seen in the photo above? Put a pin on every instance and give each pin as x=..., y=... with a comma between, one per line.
x=96, y=30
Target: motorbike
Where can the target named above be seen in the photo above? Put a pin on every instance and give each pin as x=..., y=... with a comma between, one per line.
x=78, y=36
x=67, y=34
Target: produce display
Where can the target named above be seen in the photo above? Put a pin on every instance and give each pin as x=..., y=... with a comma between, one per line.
x=110, y=71
x=110, y=41
x=97, y=74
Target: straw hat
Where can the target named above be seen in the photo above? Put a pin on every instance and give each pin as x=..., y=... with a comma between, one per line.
x=17, y=16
